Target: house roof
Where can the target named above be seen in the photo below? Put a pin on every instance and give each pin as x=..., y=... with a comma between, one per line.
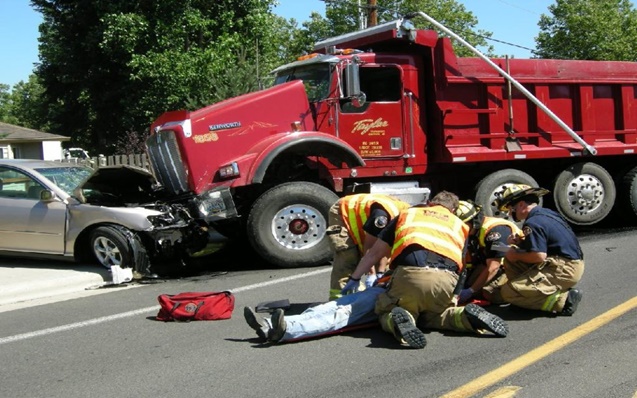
x=13, y=133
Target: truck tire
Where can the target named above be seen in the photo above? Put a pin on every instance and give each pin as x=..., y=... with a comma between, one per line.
x=627, y=195
x=287, y=225
x=584, y=193
x=110, y=247
x=490, y=187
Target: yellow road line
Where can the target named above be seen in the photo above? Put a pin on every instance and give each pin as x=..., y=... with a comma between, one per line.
x=542, y=351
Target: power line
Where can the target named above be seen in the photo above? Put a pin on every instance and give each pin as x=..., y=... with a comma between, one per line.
x=518, y=7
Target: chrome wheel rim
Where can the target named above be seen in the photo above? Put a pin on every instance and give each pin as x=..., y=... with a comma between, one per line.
x=298, y=227
x=107, y=252
x=585, y=193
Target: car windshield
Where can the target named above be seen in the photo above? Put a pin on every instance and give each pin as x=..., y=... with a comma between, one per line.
x=316, y=79
x=67, y=178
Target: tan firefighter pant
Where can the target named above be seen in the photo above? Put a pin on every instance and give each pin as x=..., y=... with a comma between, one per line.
x=426, y=294
x=345, y=253
x=541, y=286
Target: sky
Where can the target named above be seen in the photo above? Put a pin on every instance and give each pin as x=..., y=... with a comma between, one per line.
x=510, y=21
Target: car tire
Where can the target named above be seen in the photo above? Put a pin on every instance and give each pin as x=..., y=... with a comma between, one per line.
x=110, y=247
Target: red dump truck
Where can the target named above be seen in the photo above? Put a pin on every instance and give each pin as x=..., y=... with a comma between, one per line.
x=393, y=109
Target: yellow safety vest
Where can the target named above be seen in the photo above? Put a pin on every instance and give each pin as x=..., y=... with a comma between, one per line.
x=434, y=228
x=355, y=211
x=491, y=222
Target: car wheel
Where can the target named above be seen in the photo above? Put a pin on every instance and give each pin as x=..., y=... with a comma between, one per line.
x=110, y=247
x=287, y=225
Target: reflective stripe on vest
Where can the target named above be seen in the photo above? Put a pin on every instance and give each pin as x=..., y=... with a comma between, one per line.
x=433, y=228
x=355, y=211
x=491, y=222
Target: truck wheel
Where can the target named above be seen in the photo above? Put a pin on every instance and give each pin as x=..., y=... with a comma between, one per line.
x=110, y=247
x=493, y=185
x=628, y=194
x=584, y=193
x=287, y=224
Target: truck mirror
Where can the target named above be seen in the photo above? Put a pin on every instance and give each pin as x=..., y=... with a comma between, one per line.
x=359, y=100
x=353, y=83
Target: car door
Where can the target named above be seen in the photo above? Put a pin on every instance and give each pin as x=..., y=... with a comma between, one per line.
x=28, y=224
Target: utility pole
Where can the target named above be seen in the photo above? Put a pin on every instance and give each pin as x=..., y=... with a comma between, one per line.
x=362, y=18
x=372, y=13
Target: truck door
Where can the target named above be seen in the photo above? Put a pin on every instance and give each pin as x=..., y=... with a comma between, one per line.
x=375, y=129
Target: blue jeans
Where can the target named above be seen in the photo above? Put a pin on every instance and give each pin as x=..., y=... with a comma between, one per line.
x=351, y=309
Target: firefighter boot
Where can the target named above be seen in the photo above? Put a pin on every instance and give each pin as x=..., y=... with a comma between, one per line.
x=481, y=319
x=253, y=322
x=404, y=328
x=572, y=301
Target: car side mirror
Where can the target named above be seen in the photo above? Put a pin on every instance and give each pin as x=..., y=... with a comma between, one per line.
x=47, y=196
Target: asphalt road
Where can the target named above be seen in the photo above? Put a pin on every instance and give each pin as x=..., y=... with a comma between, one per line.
x=110, y=345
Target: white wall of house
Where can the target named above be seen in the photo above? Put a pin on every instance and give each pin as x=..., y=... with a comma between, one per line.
x=6, y=152
x=52, y=150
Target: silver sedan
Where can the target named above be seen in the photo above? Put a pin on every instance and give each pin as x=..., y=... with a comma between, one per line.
x=114, y=215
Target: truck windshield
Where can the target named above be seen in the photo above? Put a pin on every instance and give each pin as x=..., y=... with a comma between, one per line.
x=316, y=79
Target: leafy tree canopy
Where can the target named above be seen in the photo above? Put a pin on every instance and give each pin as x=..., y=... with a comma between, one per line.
x=112, y=67
x=23, y=105
x=589, y=30
x=344, y=16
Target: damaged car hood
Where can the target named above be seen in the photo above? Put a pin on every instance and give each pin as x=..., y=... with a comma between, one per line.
x=121, y=185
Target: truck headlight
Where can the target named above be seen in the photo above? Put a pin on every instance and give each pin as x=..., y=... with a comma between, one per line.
x=216, y=204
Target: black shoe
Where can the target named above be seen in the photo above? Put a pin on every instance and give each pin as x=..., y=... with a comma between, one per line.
x=481, y=319
x=278, y=325
x=406, y=329
x=572, y=301
x=251, y=318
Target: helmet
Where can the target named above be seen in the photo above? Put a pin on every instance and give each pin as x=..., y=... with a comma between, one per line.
x=516, y=192
x=467, y=210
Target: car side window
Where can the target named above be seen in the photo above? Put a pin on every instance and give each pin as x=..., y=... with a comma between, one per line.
x=16, y=184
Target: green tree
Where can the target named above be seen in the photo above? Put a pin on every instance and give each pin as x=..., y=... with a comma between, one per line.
x=27, y=107
x=22, y=105
x=110, y=68
x=303, y=39
x=344, y=16
x=588, y=30
x=5, y=104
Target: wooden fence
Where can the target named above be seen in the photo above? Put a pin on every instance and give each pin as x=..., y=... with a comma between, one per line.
x=139, y=160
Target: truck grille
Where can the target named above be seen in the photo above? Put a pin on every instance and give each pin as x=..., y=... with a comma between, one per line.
x=166, y=161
